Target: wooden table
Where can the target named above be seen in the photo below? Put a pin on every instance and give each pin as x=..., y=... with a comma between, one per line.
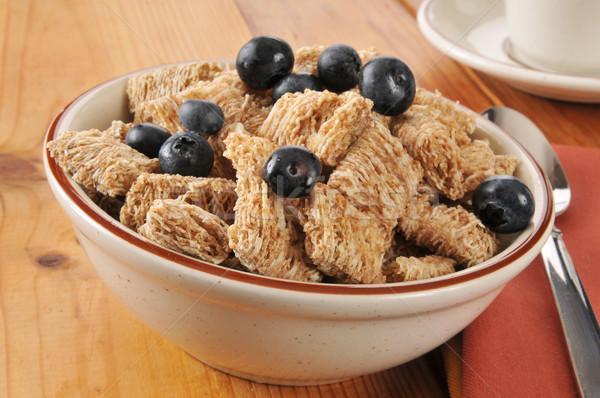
x=62, y=333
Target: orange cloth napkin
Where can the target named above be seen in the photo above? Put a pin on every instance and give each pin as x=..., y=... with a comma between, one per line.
x=516, y=348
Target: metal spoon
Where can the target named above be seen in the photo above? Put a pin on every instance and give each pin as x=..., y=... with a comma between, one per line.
x=579, y=323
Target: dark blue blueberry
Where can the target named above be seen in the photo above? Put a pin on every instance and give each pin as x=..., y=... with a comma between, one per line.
x=338, y=67
x=296, y=82
x=186, y=154
x=292, y=171
x=263, y=61
x=147, y=138
x=503, y=203
x=389, y=83
x=201, y=117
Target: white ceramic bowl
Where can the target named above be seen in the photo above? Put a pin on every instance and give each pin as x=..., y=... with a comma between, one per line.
x=280, y=331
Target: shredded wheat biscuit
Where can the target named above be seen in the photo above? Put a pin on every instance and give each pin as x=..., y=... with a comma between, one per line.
x=459, y=122
x=222, y=166
x=506, y=164
x=479, y=162
x=429, y=142
x=264, y=239
x=167, y=80
x=377, y=175
x=236, y=106
x=418, y=268
x=188, y=229
x=100, y=162
x=306, y=58
x=149, y=187
x=263, y=236
x=448, y=231
x=324, y=122
x=247, y=153
x=436, y=132
x=367, y=54
x=231, y=78
x=117, y=130
x=341, y=240
x=216, y=195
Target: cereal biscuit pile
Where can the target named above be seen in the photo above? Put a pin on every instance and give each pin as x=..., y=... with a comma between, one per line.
x=99, y=160
x=143, y=87
x=377, y=175
x=202, y=235
x=449, y=231
x=436, y=132
x=216, y=195
x=306, y=58
x=277, y=247
x=391, y=205
x=324, y=122
x=342, y=241
x=236, y=106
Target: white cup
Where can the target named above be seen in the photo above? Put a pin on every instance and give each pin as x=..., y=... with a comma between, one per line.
x=555, y=35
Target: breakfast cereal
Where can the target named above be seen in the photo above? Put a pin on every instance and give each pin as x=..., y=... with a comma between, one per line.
x=277, y=247
x=157, y=83
x=187, y=228
x=99, y=161
x=306, y=58
x=324, y=122
x=377, y=175
x=391, y=204
x=437, y=134
x=342, y=241
x=415, y=268
x=449, y=231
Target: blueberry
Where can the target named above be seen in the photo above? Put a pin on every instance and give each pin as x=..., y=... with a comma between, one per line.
x=296, y=82
x=186, y=154
x=292, y=171
x=147, y=138
x=201, y=117
x=263, y=61
x=338, y=67
x=503, y=203
x=389, y=83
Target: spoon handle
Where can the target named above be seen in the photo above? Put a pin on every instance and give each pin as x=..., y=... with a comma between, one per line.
x=578, y=320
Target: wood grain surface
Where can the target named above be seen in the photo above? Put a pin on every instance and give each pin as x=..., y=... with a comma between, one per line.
x=62, y=332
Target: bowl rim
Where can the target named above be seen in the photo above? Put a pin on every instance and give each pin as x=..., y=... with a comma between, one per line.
x=104, y=221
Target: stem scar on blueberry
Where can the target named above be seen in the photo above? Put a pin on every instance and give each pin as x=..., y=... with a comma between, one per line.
x=503, y=203
x=186, y=153
x=494, y=214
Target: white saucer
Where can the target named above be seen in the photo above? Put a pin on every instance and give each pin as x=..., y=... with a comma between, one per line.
x=476, y=34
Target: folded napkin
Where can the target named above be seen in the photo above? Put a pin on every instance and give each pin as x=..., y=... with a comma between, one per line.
x=516, y=348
